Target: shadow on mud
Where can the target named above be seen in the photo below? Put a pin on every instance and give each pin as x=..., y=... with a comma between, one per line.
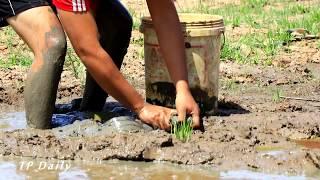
x=227, y=108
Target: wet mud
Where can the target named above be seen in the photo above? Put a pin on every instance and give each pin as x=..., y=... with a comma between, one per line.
x=250, y=141
x=255, y=129
x=251, y=131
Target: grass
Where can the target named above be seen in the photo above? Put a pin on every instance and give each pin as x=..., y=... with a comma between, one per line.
x=276, y=95
x=138, y=41
x=267, y=22
x=229, y=84
x=16, y=58
x=182, y=130
x=17, y=55
x=136, y=19
x=74, y=62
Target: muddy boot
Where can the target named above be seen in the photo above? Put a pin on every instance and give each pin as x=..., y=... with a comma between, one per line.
x=114, y=25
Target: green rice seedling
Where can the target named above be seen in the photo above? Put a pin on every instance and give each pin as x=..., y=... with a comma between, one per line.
x=276, y=96
x=181, y=130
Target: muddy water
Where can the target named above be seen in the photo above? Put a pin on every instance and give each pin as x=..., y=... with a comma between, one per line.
x=26, y=168
x=12, y=121
x=13, y=167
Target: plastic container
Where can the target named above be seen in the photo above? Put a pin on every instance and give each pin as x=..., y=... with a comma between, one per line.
x=202, y=44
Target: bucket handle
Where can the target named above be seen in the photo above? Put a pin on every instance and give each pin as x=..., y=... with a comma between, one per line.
x=224, y=39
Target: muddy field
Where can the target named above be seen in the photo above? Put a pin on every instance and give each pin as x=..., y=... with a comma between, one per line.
x=268, y=119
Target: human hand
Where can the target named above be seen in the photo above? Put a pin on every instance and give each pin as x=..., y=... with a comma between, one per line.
x=186, y=104
x=156, y=116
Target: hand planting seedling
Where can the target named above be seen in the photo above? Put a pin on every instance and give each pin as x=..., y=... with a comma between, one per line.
x=181, y=130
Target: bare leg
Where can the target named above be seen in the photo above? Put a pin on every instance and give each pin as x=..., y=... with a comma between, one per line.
x=41, y=30
x=114, y=25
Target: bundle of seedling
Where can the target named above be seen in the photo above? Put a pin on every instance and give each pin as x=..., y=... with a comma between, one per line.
x=182, y=130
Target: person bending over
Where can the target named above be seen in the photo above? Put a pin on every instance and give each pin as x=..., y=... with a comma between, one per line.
x=36, y=23
x=100, y=30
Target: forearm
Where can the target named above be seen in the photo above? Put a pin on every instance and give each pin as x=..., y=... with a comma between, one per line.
x=170, y=37
x=104, y=71
x=82, y=31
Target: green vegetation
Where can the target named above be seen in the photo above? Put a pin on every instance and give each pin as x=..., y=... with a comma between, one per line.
x=16, y=58
x=74, y=63
x=141, y=53
x=138, y=41
x=136, y=19
x=181, y=130
x=276, y=96
x=261, y=26
x=16, y=54
x=256, y=32
x=229, y=84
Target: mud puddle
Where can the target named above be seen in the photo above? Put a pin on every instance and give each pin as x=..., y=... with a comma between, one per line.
x=12, y=121
x=27, y=168
x=93, y=164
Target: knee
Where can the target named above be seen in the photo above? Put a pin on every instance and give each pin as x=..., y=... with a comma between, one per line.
x=56, y=47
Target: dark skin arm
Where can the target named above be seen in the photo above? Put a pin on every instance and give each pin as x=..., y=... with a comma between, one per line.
x=102, y=68
x=171, y=40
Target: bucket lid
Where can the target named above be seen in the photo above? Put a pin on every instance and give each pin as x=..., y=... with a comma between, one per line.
x=191, y=21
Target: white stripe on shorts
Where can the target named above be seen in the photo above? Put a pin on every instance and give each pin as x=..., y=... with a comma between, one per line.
x=84, y=8
x=79, y=5
x=74, y=6
x=14, y=13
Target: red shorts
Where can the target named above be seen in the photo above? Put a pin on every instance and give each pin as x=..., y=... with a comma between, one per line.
x=74, y=5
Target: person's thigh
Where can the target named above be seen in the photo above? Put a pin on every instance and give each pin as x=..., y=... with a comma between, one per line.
x=37, y=26
x=40, y=28
x=114, y=25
